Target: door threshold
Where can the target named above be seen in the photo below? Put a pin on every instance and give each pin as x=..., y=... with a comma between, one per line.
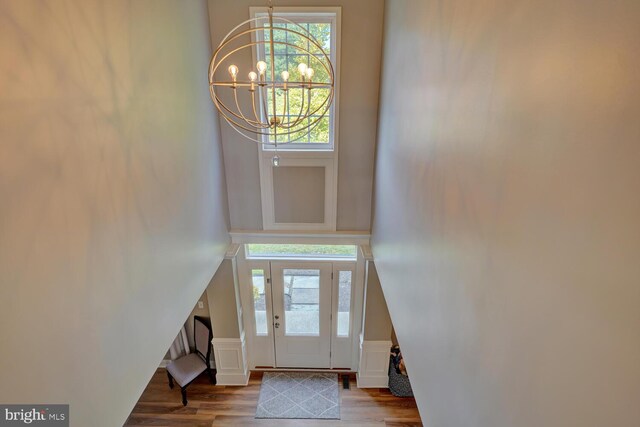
x=326, y=370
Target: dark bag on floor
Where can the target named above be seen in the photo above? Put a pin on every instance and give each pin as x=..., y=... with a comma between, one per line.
x=399, y=384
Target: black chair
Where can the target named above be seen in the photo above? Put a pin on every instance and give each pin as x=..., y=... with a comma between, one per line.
x=187, y=368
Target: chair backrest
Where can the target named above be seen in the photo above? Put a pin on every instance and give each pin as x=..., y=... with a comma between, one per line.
x=202, y=335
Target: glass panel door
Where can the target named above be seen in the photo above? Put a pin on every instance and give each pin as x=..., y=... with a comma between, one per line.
x=344, y=295
x=301, y=293
x=344, y=303
x=301, y=313
x=259, y=295
x=301, y=302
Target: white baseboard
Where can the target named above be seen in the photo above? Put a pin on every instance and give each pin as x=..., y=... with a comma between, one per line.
x=324, y=370
x=373, y=371
x=372, y=381
x=232, y=379
x=231, y=361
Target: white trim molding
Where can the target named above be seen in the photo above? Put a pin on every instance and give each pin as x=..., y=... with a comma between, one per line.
x=373, y=371
x=330, y=197
x=232, y=251
x=301, y=237
x=231, y=361
x=366, y=252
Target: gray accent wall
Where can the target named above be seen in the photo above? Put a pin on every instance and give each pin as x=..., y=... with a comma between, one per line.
x=359, y=83
x=298, y=194
x=377, y=323
x=113, y=206
x=223, y=302
x=196, y=311
x=507, y=216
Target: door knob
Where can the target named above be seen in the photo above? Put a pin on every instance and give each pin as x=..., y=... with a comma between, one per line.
x=277, y=317
x=277, y=325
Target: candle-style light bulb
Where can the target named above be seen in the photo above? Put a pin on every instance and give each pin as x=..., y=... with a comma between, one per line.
x=285, y=76
x=262, y=67
x=233, y=71
x=309, y=73
x=302, y=68
x=252, y=76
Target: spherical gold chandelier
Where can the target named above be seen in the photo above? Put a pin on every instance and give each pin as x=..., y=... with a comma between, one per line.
x=282, y=103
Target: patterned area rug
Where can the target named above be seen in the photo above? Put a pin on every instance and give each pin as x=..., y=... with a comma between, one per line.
x=299, y=395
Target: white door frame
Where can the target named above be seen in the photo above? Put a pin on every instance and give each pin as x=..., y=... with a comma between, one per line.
x=342, y=345
x=266, y=344
x=261, y=354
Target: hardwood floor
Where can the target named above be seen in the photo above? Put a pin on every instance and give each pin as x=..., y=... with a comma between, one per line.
x=211, y=405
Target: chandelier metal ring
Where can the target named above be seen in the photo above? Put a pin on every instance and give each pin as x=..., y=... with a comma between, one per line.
x=325, y=104
x=260, y=123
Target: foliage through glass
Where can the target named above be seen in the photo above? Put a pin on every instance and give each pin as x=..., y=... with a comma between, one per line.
x=288, y=58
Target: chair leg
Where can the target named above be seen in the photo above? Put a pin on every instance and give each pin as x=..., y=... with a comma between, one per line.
x=184, y=395
x=170, y=380
x=212, y=377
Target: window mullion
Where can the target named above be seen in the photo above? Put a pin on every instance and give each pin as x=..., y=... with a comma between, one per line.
x=323, y=27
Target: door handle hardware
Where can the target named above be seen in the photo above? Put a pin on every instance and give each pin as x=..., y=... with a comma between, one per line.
x=277, y=325
x=277, y=317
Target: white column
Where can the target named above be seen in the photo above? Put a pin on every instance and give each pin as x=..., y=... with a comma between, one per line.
x=231, y=361
x=374, y=364
x=230, y=352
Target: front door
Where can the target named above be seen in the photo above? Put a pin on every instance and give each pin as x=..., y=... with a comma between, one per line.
x=301, y=295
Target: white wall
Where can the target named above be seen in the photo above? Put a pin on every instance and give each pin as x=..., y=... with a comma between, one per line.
x=359, y=82
x=112, y=219
x=507, y=224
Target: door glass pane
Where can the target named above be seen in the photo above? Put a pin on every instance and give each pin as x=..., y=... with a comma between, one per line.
x=302, y=301
x=259, y=301
x=344, y=302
